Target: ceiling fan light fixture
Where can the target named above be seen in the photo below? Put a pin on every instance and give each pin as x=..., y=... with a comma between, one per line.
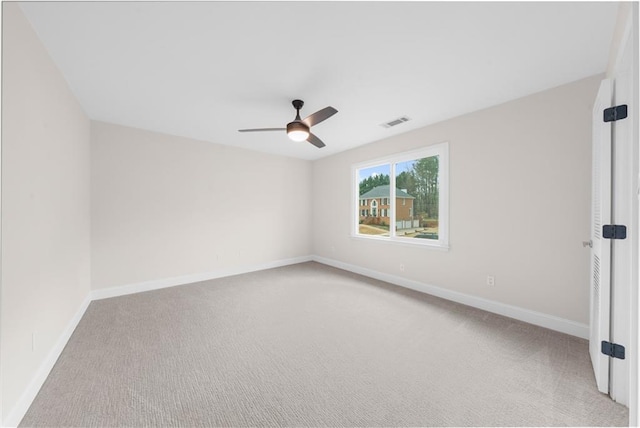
x=297, y=131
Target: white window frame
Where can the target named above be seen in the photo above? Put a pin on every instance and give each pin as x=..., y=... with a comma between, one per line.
x=441, y=150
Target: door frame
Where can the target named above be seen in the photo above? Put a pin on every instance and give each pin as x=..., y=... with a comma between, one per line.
x=625, y=299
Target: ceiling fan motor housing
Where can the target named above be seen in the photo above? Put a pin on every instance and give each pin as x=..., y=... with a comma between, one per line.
x=296, y=127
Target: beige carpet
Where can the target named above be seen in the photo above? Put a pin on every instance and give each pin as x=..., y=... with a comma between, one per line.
x=309, y=345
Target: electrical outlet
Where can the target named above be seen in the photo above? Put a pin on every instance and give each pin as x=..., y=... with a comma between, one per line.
x=401, y=268
x=491, y=281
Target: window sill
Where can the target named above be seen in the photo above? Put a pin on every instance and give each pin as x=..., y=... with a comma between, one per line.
x=407, y=242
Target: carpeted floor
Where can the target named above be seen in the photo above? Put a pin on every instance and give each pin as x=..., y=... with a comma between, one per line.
x=309, y=345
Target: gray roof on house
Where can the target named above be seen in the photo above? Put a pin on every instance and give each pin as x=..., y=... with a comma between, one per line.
x=383, y=192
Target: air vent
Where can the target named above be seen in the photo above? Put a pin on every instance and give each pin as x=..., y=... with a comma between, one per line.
x=395, y=122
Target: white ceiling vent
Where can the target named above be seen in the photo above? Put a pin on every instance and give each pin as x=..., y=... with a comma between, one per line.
x=395, y=122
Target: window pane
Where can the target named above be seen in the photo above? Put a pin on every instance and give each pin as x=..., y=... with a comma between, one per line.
x=373, y=197
x=417, y=198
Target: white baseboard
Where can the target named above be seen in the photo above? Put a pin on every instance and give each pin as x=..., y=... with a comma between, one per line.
x=189, y=279
x=23, y=404
x=532, y=317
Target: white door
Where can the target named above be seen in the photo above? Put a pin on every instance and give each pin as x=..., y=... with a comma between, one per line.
x=601, y=248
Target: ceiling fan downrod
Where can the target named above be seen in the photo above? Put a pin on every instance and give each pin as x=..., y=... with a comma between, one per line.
x=297, y=104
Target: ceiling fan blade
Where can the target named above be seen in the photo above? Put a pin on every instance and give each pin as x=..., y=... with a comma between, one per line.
x=262, y=129
x=315, y=141
x=319, y=116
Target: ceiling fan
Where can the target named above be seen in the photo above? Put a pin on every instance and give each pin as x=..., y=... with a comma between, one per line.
x=300, y=129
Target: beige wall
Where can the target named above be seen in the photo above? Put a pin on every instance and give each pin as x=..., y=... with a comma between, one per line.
x=519, y=204
x=165, y=206
x=45, y=206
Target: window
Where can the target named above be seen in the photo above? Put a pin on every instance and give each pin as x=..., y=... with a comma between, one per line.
x=414, y=186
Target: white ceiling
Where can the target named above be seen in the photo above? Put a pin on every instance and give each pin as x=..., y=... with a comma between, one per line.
x=206, y=69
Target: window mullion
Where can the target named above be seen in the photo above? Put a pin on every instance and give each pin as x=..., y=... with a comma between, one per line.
x=392, y=201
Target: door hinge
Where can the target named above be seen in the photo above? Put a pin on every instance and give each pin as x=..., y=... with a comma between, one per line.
x=612, y=114
x=614, y=231
x=613, y=350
